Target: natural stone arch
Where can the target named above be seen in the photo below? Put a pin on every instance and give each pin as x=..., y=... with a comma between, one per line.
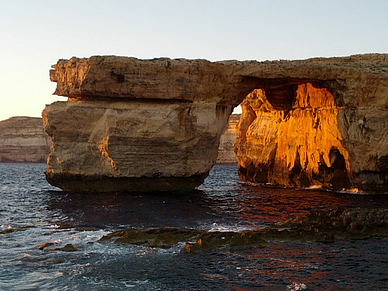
x=147, y=125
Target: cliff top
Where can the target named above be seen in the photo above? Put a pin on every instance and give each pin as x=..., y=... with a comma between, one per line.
x=223, y=82
x=21, y=125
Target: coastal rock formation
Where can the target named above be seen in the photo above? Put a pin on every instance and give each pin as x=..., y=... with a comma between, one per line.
x=331, y=133
x=22, y=139
x=226, y=150
x=150, y=125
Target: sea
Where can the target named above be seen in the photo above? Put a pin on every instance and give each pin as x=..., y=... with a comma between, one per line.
x=38, y=220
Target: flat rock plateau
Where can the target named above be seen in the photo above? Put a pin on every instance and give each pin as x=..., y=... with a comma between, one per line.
x=155, y=125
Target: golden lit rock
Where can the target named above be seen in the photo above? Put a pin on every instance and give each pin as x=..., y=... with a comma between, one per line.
x=299, y=145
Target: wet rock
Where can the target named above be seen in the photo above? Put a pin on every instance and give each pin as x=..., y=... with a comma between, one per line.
x=339, y=223
x=153, y=237
x=8, y=230
x=44, y=245
x=317, y=226
x=13, y=229
x=86, y=228
x=66, y=248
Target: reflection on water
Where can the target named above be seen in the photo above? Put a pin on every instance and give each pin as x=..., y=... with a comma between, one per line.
x=36, y=213
x=223, y=201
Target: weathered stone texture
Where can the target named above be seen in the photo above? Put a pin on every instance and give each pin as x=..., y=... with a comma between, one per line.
x=153, y=124
x=327, y=129
x=132, y=145
x=22, y=139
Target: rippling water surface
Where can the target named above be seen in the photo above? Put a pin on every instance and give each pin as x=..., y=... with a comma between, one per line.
x=33, y=213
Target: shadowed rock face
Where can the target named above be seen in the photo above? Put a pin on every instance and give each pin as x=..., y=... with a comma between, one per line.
x=128, y=122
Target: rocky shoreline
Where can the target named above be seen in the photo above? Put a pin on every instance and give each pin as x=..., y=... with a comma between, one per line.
x=324, y=226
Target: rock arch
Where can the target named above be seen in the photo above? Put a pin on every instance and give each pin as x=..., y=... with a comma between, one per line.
x=149, y=125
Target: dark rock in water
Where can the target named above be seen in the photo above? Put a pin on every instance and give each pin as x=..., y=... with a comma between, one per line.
x=319, y=226
x=18, y=228
x=338, y=223
x=66, y=248
x=153, y=237
x=8, y=230
x=44, y=245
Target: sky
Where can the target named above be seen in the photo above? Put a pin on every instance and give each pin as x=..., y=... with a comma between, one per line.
x=34, y=34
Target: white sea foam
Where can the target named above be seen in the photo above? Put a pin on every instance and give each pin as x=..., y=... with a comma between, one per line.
x=296, y=286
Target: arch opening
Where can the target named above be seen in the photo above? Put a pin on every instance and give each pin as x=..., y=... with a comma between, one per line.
x=288, y=135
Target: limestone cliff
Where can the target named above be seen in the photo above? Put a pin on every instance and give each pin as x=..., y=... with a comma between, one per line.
x=143, y=125
x=226, y=151
x=22, y=139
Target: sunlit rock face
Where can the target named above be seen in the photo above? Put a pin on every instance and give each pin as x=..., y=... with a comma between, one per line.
x=155, y=125
x=297, y=135
x=22, y=139
x=298, y=144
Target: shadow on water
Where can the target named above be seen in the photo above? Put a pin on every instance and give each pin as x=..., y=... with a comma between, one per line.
x=223, y=202
x=174, y=209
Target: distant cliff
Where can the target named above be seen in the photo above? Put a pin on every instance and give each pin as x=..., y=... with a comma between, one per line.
x=226, y=151
x=22, y=139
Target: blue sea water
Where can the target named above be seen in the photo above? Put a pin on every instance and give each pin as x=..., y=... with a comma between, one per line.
x=33, y=213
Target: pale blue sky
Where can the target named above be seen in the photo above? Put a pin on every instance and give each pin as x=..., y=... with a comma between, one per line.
x=35, y=34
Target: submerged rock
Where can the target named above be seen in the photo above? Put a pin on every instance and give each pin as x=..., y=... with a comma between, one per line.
x=194, y=239
x=66, y=248
x=318, y=226
x=339, y=223
x=155, y=125
x=44, y=245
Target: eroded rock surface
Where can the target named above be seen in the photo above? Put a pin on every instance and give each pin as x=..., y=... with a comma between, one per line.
x=144, y=125
x=22, y=139
x=132, y=146
x=328, y=128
